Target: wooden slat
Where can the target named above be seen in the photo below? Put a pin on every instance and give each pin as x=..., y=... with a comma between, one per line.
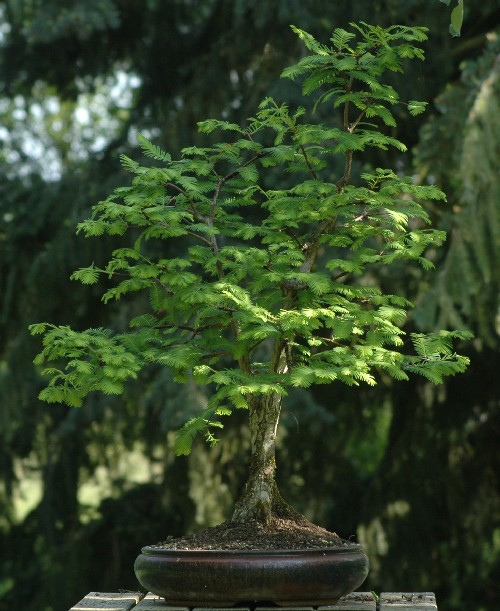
x=104, y=601
x=151, y=602
x=283, y=609
x=226, y=609
x=408, y=601
x=357, y=601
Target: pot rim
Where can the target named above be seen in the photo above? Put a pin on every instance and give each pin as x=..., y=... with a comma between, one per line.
x=151, y=550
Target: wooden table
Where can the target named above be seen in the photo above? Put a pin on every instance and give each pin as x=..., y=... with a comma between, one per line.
x=358, y=601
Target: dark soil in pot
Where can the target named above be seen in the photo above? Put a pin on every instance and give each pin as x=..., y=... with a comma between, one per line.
x=279, y=533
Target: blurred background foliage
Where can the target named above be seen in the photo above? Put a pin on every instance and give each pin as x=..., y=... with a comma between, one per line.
x=410, y=469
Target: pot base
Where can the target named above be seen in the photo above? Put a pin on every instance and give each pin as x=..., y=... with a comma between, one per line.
x=224, y=578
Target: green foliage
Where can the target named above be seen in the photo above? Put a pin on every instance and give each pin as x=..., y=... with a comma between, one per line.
x=437, y=348
x=262, y=294
x=93, y=360
x=456, y=17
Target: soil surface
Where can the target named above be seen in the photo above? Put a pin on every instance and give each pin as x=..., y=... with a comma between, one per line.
x=279, y=534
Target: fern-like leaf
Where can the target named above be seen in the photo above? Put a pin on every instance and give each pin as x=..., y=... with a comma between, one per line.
x=86, y=275
x=152, y=150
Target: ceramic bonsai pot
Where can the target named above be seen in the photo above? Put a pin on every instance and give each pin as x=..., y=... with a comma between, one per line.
x=227, y=577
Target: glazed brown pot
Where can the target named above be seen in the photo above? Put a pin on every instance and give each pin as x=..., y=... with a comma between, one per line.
x=225, y=578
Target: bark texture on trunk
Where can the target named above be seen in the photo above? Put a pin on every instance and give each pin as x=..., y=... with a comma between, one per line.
x=261, y=499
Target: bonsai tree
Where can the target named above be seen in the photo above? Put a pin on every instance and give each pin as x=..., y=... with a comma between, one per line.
x=276, y=246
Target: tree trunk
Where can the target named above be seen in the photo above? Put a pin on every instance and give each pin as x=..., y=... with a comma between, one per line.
x=261, y=499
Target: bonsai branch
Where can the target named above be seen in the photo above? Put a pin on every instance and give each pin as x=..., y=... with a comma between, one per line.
x=199, y=237
x=308, y=163
x=347, y=172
